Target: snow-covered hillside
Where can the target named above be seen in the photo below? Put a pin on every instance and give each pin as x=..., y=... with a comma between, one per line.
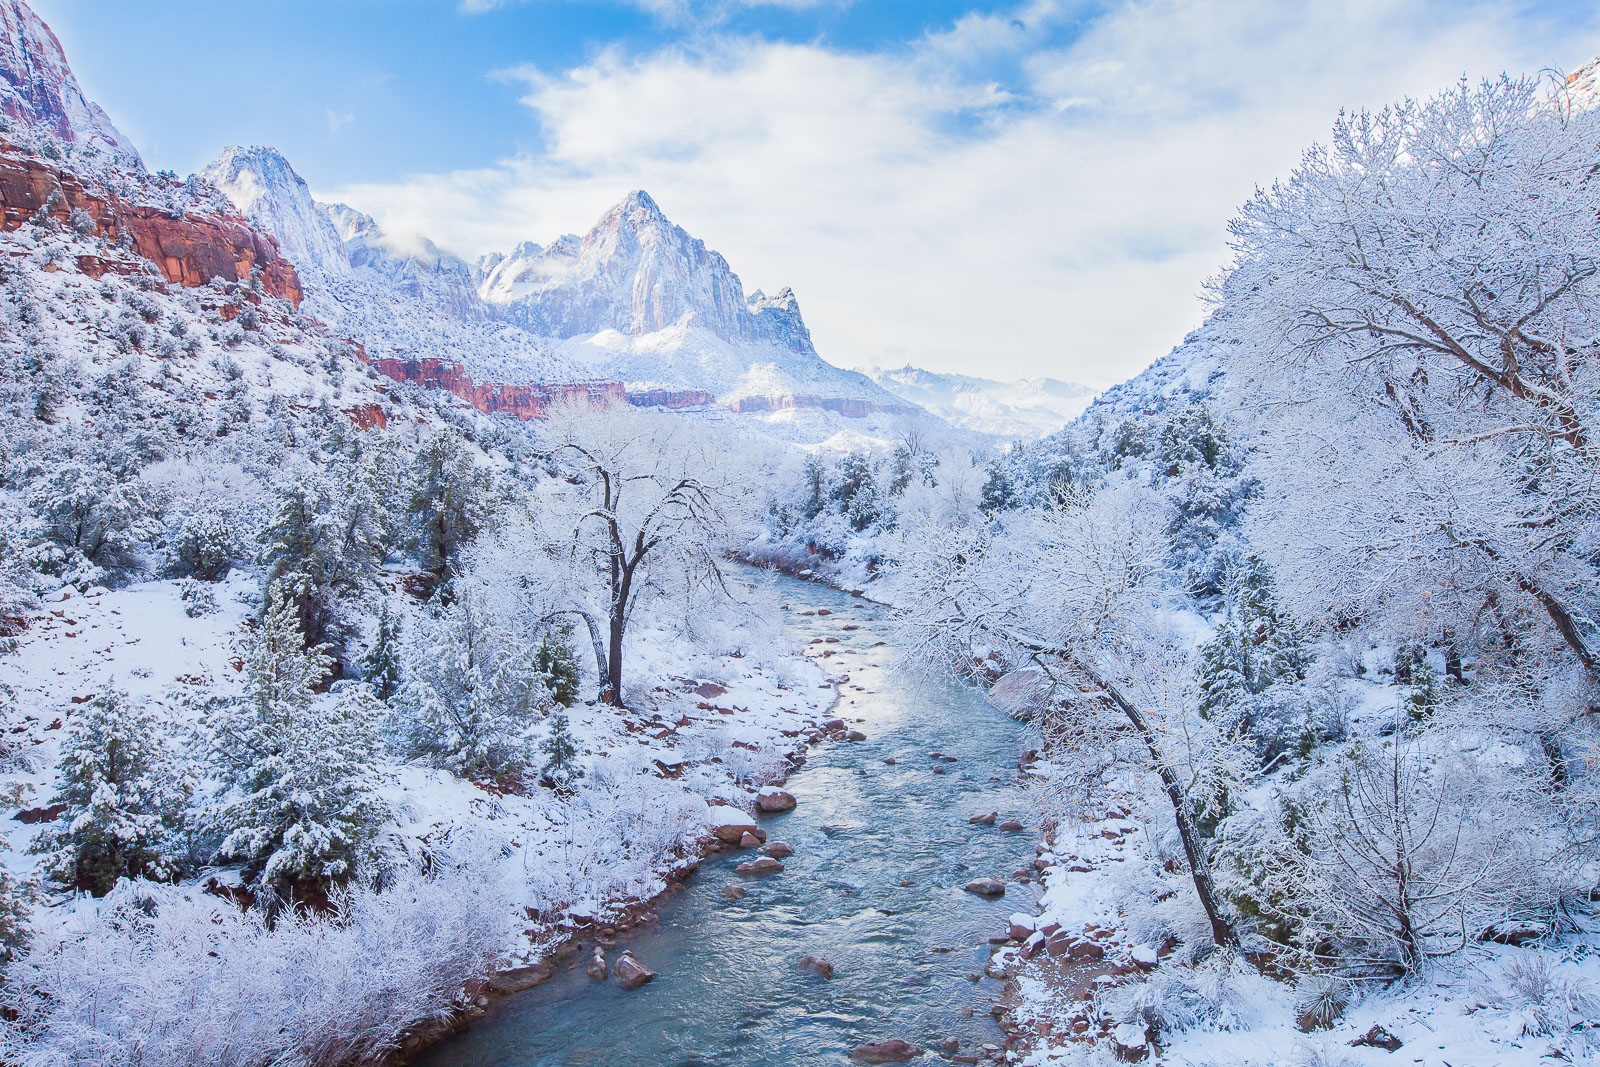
x=1033, y=407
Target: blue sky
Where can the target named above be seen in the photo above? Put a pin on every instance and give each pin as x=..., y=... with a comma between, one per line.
x=1018, y=188
x=364, y=90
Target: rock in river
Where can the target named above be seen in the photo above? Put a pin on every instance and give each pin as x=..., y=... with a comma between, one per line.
x=597, y=965
x=764, y=865
x=779, y=850
x=816, y=965
x=987, y=820
x=772, y=801
x=986, y=887
x=891, y=1051
x=630, y=973
x=1010, y=826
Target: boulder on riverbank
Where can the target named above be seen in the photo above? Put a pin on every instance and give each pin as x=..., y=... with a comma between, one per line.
x=772, y=801
x=986, y=887
x=891, y=1051
x=630, y=973
x=729, y=824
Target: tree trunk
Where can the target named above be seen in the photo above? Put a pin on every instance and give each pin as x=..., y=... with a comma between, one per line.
x=612, y=693
x=1193, y=850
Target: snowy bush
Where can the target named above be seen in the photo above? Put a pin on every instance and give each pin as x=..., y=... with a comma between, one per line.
x=165, y=976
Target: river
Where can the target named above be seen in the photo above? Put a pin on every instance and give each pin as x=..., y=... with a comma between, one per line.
x=875, y=887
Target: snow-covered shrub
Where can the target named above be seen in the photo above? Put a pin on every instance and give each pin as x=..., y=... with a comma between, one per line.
x=207, y=542
x=122, y=792
x=1544, y=1000
x=198, y=598
x=471, y=693
x=1397, y=851
x=91, y=515
x=301, y=804
x=195, y=982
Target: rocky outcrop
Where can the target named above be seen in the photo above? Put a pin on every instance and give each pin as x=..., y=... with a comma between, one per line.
x=533, y=400
x=190, y=249
x=672, y=399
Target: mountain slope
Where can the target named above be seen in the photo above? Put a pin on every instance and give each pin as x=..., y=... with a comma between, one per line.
x=1030, y=408
x=418, y=317
x=39, y=90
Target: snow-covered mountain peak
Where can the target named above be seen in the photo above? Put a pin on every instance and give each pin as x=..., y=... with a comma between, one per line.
x=634, y=272
x=263, y=185
x=39, y=90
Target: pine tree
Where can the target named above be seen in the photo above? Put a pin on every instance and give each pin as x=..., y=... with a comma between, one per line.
x=561, y=767
x=470, y=694
x=302, y=808
x=450, y=502
x=117, y=781
x=1255, y=649
x=382, y=664
x=555, y=662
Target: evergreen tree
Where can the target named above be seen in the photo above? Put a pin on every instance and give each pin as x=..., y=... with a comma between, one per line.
x=556, y=663
x=120, y=789
x=470, y=694
x=303, y=808
x=1256, y=648
x=450, y=500
x=561, y=767
x=382, y=664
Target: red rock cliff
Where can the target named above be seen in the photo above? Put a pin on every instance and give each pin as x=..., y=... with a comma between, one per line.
x=190, y=250
x=528, y=401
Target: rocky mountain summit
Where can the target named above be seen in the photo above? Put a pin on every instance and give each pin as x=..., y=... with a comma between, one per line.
x=38, y=89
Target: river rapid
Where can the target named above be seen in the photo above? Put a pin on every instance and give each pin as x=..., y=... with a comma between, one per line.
x=882, y=851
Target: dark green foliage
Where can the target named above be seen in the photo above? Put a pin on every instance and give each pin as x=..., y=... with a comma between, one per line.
x=555, y=661
x=450, y=500
x=118, y=784
x=381, y=667
x=561, y=767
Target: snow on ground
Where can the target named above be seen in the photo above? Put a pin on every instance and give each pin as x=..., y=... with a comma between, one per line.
x=706, y=733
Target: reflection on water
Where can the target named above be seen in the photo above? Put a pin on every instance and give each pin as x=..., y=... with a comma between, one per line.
x=881, y=853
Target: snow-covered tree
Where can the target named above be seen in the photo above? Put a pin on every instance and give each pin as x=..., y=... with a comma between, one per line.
x=560, y=752
x=651, y=511
x=471, y=694
x=1076, y=589
x=451, y=498
x=381, y=668
x=1420, y=306
x=301, y=807
x=323, y=543
x=122, y=791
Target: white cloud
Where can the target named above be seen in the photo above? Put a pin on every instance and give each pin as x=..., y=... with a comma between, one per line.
x=338, y=120
x=1061, y=224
